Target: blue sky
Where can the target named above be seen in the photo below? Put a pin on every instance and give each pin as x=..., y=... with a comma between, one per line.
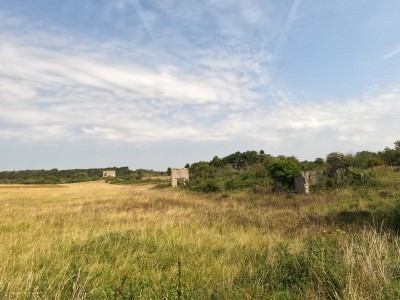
x=153, y=84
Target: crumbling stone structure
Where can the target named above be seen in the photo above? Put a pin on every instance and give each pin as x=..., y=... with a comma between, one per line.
x=176, y=174
x=301, y=184
x=338, y=173
x=335, y=164
x=109, y=173
x=341, y=173
x=305, y=180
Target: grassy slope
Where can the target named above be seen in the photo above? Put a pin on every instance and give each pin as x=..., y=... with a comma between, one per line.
x=102, y=241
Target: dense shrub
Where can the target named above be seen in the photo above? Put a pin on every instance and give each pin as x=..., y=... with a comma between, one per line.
x=234, y=184
x=284, y=171
x=207, y=186
x=80, y=177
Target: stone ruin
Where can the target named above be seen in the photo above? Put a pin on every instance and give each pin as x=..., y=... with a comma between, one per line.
x=338, y=171
x=341, y=173
x=305, y=180
x=176, y=174
x=335, y=164
x=109, y=173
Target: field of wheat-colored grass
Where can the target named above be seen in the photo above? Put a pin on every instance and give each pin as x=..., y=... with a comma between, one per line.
x=103, y=241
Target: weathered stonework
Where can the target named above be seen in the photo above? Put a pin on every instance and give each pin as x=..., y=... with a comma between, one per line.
x=342, y=174
x=305, y=180
x=109, y=173
x=301, y=183
x=176, y=174
x=335, y=163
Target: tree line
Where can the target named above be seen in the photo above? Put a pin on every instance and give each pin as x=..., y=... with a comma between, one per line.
x=55, y=176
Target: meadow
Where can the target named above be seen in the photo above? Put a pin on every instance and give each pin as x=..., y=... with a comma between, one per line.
x=102, y=241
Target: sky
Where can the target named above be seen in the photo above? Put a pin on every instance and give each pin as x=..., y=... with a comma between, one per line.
x=158, y=84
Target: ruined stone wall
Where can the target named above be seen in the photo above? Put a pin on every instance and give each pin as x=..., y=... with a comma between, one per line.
x=109, y=173
x=335, y=163
x=176, y=174
x=338, y=173
x=301, y=183
x=341, y=173
x=305, y=180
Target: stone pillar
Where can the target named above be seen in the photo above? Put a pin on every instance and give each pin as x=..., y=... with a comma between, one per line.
x=302, y=183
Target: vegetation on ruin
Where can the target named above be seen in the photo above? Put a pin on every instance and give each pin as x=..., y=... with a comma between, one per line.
x=257, y=171
x=239, y=240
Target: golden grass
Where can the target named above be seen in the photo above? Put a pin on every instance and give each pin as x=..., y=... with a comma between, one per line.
x=96, y=240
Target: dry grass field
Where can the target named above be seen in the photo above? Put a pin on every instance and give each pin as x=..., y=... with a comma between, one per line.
x=103, y=241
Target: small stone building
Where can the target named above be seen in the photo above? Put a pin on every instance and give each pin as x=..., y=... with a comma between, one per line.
x=176, y=174
x=109, y=173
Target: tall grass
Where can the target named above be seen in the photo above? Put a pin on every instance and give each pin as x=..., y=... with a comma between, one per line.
x=102, y=241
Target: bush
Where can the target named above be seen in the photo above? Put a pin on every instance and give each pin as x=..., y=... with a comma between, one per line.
x=207, y=186
x=234, y=184
x=53, y=180
x=284, y=171
x=80, y=177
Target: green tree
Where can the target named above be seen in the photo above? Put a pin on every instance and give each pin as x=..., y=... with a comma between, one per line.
x=80, y=177
x=140, y=174
x=203, y=170
x=397, y=145
x=216, y=162
x=284, y=171
x=366, y=159
x=391, y=156
x=52, y=179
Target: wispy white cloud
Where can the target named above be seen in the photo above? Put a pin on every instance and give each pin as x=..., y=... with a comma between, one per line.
x=79, y=91
x=145, y=20
x=288, y=24
x=130, y=93
x=359, y=123
x=395, y=51
x=42, y=68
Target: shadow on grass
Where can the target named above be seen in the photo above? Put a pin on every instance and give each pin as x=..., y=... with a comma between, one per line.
x=345, y=217
x=388, y=220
